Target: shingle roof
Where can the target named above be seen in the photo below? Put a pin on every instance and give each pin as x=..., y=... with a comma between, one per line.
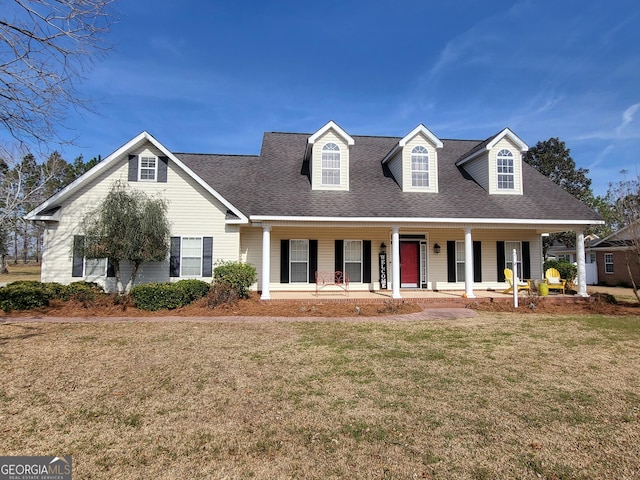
x=275, y=183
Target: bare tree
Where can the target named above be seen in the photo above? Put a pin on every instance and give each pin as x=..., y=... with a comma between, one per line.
x=23, y=183
x=45, y=49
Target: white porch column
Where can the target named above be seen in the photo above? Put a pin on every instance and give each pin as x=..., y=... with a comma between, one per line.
x=266, y=261
x=468, y=263
x=395, y=261
x=582, y=268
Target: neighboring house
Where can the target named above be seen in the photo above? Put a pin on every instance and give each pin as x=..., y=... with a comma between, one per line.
x=613, y=253
x=416, y=212
x=562, y=253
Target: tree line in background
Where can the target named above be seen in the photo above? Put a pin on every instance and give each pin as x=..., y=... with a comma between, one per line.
x=26, y=182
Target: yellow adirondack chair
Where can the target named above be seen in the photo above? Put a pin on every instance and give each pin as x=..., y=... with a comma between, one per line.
x=508, y=276
x=553, y=280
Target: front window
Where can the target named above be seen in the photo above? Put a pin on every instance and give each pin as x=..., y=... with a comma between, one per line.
x=95, y=267
x=191, y=257
x=459, y=261
x=420, y=167
x=299, y=261
x=353, y=260
x=148, y=168
x=331, y=164
x=608, y=263
x=508, y=255
x=505, y=170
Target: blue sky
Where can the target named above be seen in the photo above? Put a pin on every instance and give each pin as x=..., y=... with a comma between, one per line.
x=213, y=76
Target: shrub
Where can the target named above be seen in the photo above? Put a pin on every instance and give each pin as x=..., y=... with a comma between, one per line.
x=158, y=296
x=239, y=276
x=193, y=289
x=568, y=271
x=222, y=293
x=82, y=291
x=23, y=296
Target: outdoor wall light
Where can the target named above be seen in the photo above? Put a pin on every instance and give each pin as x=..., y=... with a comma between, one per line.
x=383, y=248
x=436, y=248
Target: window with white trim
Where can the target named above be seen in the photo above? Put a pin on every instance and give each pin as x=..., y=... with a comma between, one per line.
x=419, y=167
x=505, y=170
x=299, y=261
x=508, y=255
x=608, y=263
x=331, y=164
x=460, y=261
x=564, y=257
x=148, y=169
x=95, y=267
x=353, y=260
x=191, y=257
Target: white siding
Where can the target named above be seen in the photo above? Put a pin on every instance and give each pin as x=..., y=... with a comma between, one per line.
x=191, y=211
x=316, y=162
x=395, y=167
x=479, y=170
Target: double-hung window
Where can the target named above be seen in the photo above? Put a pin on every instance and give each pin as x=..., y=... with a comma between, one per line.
x=460, y=262
x=95, y=267
x=191, y=257
x=148, y=171
x=299, y=261
x=505, y=170
x=353, y=260
x=420, y=167
x=508, y=255
x=331, y=164
x=608, y=263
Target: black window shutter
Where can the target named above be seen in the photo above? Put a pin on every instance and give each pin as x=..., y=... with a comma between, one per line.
x=284, y=261
x=174, y=257
x=313, y=260
x=526, y=260
x=111, y=268
x=451, y=261
x=477, y=261
x=133, y=168
x=500, y=260
x=339, y=256
x=207, y=256
x=78, y=257
x=162, y=175
x=366, y=261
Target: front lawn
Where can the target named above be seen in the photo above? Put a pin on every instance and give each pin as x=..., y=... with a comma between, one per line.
x=501, y=395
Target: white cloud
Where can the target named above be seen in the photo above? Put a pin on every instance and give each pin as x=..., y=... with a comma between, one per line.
x=627, y=118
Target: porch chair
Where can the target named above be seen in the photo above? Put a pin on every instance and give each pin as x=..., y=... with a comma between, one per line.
x=508, y=276
x=553, y=280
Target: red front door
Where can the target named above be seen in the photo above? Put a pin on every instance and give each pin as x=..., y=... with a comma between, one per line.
x=409, y=262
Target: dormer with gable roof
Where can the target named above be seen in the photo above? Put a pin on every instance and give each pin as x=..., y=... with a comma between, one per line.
x=496, y=164
x=413, y=161
x=328, y=155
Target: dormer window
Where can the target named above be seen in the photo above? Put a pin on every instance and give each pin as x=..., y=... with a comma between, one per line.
x=419, y=167
x=505, y=170
x=148, y=169
x=331, y=164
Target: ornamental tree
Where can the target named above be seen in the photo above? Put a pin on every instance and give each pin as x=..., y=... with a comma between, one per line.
x=128, y=226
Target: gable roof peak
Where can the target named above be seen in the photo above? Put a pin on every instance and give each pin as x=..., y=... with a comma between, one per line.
x=331, y=125
x=424, y=131
x=490, y=143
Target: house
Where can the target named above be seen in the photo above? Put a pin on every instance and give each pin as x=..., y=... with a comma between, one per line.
x=559, y=251
x=612, y=254
x=416, y=212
